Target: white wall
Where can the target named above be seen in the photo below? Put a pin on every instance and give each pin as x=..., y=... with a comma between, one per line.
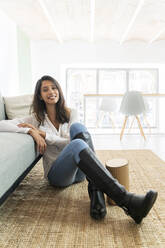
x=49, y=57
x=8, y=56
x=15, y=60
x=24, y=62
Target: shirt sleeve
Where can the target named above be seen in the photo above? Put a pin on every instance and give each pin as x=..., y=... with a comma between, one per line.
x=12, y=125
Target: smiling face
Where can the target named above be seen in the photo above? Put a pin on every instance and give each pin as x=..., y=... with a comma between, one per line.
x=49, y=92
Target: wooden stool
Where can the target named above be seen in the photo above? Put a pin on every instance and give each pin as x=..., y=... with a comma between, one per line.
x=119, y=170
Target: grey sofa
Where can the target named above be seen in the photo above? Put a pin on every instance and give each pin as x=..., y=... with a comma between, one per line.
x=17, y=157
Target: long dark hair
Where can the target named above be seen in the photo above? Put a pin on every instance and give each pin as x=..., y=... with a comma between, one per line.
x=38, y=106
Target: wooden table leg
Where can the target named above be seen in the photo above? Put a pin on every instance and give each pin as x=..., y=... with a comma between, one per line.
x=111, y=119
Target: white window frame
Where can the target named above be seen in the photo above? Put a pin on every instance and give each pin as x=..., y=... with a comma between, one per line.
x=127, y=70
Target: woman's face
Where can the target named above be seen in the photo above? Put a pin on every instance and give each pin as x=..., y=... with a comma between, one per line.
x=49, y=92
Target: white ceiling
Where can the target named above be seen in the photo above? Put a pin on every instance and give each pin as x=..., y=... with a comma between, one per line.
x=89, y=20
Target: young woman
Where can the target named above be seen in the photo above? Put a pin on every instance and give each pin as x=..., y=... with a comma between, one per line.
x=68, y=152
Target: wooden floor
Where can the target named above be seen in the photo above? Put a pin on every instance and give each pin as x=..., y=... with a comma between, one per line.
x=154, y=142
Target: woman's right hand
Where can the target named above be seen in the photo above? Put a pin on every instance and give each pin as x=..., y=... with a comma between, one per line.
x=40, y=132
x=27, y=125
x=41, y=144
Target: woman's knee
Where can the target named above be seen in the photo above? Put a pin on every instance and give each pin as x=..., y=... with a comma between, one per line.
x=77, y=146
x=77, y=128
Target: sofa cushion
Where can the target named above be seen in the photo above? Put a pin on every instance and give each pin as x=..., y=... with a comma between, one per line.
x=2, y=110
x=17, y=153
x=18, y=106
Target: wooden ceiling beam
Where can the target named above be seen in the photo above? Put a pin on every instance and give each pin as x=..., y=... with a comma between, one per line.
x=157, y=35
x=139, y=6
x=50, y=20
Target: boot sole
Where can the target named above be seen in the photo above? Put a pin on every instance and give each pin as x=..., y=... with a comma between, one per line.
x=94, y=213
x=147, y=205
x=149, y=201
x=98, y=216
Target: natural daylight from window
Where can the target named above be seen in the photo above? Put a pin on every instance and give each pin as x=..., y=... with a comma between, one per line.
x=87, y=89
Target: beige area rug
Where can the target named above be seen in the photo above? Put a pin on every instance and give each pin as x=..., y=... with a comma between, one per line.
x=37, y=215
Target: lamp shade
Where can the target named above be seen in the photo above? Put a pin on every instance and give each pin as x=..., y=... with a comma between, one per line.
x=132, y=103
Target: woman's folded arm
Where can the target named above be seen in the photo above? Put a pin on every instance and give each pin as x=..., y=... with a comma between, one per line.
x=12, y=125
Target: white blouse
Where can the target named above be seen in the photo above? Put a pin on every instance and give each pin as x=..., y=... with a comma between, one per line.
x=55, y=139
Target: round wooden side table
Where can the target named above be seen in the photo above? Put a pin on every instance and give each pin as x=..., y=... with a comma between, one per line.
x=119, y=169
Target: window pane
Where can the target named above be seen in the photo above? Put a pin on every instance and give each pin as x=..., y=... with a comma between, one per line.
x=83, y=81
x=90, y=111
x=143, y=80
x=112, y=82
x=80, y=82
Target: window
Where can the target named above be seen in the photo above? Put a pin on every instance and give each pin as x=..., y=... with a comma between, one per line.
x=93, y=108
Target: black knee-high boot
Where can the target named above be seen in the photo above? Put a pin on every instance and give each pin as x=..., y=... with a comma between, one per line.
x=97, y=200
x=136, y=206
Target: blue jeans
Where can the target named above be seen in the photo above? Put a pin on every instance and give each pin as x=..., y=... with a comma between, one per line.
x=64, y=170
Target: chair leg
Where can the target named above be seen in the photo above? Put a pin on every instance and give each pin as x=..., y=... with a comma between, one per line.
x=111, y=119
x=122, y=130
x=100, y=119
x=140, y=127
x=131, y=124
